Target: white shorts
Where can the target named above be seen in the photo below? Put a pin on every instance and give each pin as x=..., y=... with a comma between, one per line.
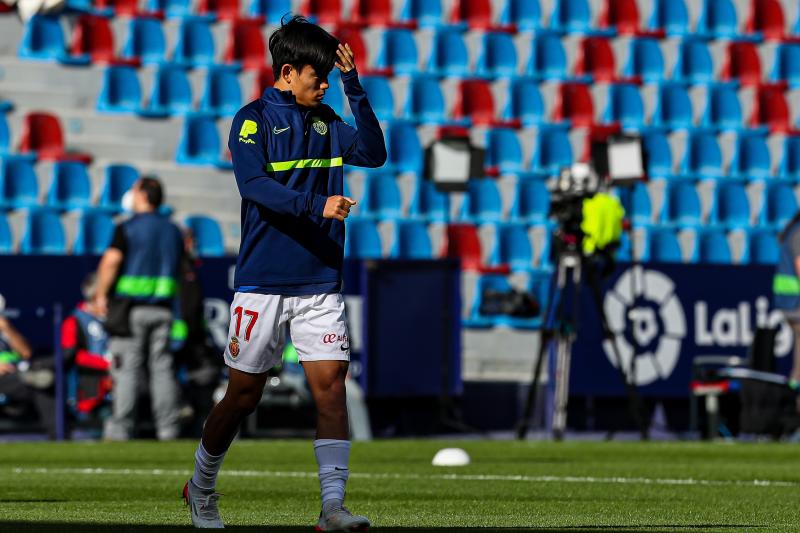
x=256, y=336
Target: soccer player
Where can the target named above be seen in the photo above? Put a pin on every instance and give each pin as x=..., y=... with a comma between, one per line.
x=288, y=150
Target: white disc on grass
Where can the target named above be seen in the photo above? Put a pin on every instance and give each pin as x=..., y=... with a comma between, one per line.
x=451, y=457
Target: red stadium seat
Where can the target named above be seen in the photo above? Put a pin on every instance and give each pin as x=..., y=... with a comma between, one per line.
x=125, y=8
x=246, y=45
x=476, y=102
x=742, y=64
x=372, y=13
x=93, y=37
x=352, y=36
x=574, y=103
x=476, y=13
x=324, y=11
x=622, y=15
x=42, y=133
x=766, y=16
x=596, y=59
x=462, y=242
x=771, y=109
x=223, y=9
x=263, y=79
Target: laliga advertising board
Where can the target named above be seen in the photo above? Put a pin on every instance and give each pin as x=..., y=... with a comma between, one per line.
x=673, y=313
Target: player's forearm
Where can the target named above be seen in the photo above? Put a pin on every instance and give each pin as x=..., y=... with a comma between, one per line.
x=369, y=149
x=276, y=197
x=107, y=271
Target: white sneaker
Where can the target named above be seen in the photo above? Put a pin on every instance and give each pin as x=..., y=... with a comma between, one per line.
x=337, y=517
x=203, y=506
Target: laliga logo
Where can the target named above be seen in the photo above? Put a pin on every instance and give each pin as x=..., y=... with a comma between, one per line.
x=656, y=321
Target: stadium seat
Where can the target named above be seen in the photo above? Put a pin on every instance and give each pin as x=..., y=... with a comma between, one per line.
x=525, y=103
x=779, y=205
x=513, y=248
x=220, y=9
x=771, y=109
x=411, y=240
x=767, y=18
x=123, y=8
x=658, y=154
x=645, y=60
x=426, y=13
x=621, y=15
x=789, y=166
x=405, y=151
x=374, y=13
x=117, y=181
x=548, y=59
x=20, y=187
x=624, y=106
x=751, y=159
x=731, y=207
x=380, y=96
x=95, y=230
x=121, y=91
x=787, y=64
x=694, y=65
x=146, y=41
x=503, y=151
x=207, y=234
x=271, y=10
x=449, y=55
x=475, y=103
x=663, y=247
x=70, y=187
x=742, y=64
x=497, y=57
x=43, y=233
x=5, y=134
x=681, y=205
x=718, y=20
x=482, y=203
x=171, y=94
x=552, y=150
x=429, y=204
x=703, y=157
x=712, y=248
x=246, y=45
x=574, y=103
x=637, y=204
x=92, y=40
x=42, y=39
x=222, y=95
x=673, y=107
x=199, y=144
x=723, y=111
x=571, y=16
x=195, y=44
x=762, y=248
x=671, y=16
x=362, y=240
x=475, y=14
x=462, y=242
x=42, y=134
x=327, y=12
x=531, y=201
x=397, y=52
x=6, y=238
x=425, y=103
x=596, y=59
x=526, y=15
x=381, y=198
x=263, y=79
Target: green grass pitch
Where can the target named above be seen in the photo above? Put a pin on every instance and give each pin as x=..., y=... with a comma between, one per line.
x=510, y=486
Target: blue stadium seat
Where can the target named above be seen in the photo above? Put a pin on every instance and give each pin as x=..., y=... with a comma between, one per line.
x=43, y=39
x=118, y=179
x=718, y=19
x=398, y=51
x=95, y=230
x=498, y=56
x=703, y=157
x=645, y=60
x=171, y=8
x=195, y=44
x=637, y=204
x=411, y=240
x=548, y=59
x=362, y=240
x=670, y=16
x=405, y=151
x=552, y=152
x=525, y=103
x=663, y=247
x=762, y=248
x=731, y=207
x=381, y=198
x=449, y=55
x=531, y=202
x=121, y=91
x=779, y=205
x=723, y=110
x=207, y=235
x=625, y=106
x=6, y=238
x=70, y=187
x=429, y=203
x=503, y=151
x=712, y=248
x=571, y=16
x=334, y=95
x=272, y=10
x=199, y=144
x=681, y=205
x=658, y=154
x=787, y=64
x=673, y=107
x=20, y=187
x=380, y=96
x=624, y=250
x=43, y=233
x=426, y=13
x=525, y=14
x=513, y=248
x=146, y=41
x=544, y=254
x=5, y=134
x=482, y=202
x=222, y=95
x=751, y=160
x=694, y=63
x=789, y=166
x=171, y=94
x=425, y=102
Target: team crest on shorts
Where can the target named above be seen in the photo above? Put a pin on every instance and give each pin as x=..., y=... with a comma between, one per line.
x=320, y=127
x=234, y=347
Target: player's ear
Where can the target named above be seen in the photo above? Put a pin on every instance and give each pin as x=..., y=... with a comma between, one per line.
x=286, y=73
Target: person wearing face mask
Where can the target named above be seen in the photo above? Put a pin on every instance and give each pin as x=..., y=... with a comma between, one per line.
x=140, y=269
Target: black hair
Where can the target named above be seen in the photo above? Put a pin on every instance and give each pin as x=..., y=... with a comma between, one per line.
x=298, y=43
x=152, y=188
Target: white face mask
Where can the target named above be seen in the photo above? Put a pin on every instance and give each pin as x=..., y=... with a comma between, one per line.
x=127, y=201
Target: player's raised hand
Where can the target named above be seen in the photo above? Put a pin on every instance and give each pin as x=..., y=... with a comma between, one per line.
x=338, y=207
x=346, y=62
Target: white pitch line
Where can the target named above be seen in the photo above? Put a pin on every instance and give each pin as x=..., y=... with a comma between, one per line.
x=447, y=477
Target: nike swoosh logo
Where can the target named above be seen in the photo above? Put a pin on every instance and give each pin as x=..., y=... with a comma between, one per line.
x=344, y=347
x=276, y=131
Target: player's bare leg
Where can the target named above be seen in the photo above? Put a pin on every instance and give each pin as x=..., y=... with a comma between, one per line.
x=332, y=447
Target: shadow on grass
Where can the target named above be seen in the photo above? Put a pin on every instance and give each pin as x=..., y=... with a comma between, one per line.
x=62, y=527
